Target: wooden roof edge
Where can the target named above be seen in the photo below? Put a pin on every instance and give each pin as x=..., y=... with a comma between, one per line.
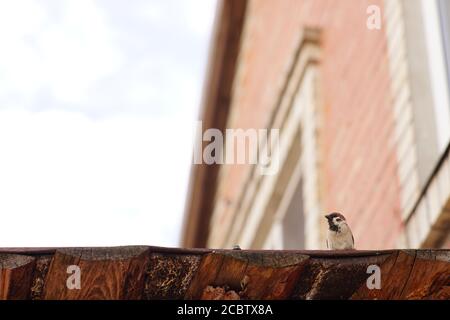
x=147, y=273
x=222, y=61
x=193, y=251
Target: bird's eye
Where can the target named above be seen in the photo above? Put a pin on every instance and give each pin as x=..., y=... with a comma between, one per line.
x=338, y=219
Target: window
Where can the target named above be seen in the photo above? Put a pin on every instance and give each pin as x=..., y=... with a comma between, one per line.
x=293, y=222
x=271, y=211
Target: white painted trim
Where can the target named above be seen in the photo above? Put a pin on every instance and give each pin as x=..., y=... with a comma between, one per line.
x=427, y=226
x=275, y=239
x=255, y=211
x=438, y=71
x=404, y=136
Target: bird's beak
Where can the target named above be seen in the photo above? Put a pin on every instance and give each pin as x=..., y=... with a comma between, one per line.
x=327, y=217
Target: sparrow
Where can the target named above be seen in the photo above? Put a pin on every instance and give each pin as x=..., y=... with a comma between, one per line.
x=339, y=236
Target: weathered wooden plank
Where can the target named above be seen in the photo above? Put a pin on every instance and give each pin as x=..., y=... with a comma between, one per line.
x=106, y=273
x=250, y=275
x=271, y=283
x=16, y=272
x=386, y=278
x=232, y=272
x=39, y=276
x=169, y=275
x=135, y=275
x=395, y=273
x=325, y=278
x=429, y=277
x=206, y=274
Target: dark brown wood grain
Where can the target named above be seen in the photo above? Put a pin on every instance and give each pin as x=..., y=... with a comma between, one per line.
x=395, y=272
x=206, y=274
x=105, y=273
x=412, y=274
x=173, y=273
x=325, y=278
x=16, y=272
x=169, y=275
x=251, y=275
x=39, y=275
x=429, y=276
x=386, y=277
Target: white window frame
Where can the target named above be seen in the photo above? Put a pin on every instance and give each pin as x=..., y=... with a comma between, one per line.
x=438, y=66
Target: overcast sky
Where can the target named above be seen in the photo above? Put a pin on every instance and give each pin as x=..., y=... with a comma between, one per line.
x=97, y=102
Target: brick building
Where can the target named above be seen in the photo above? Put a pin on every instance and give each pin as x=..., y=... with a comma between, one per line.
x=364, y=120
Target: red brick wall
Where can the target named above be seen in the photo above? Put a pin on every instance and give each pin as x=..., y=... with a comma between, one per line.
x=359, y=158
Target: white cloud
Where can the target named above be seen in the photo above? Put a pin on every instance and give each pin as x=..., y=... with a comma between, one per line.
x=78, y=51
x=20, y=17
x=68, y=180
x=196, y=9
x=96, y=99
x=66, y=55
x=193, y=15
